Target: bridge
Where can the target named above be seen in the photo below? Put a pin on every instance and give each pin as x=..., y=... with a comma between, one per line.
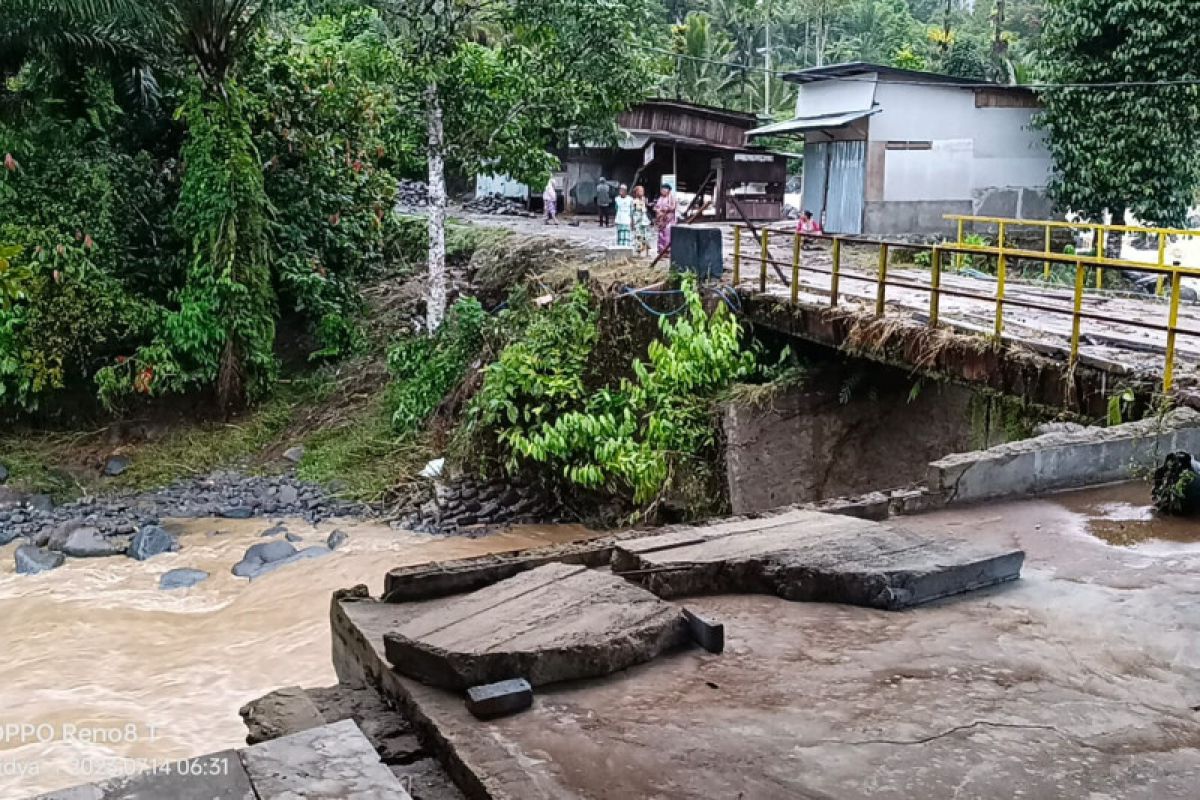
x=1057, y=327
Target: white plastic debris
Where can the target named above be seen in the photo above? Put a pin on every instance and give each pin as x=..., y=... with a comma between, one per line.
x=434, y=468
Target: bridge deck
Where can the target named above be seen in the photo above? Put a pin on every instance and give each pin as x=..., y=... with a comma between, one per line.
x=1116, y=346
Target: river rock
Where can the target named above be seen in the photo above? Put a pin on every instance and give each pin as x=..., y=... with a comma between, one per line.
x=32, y=560
x=89, y=542
x=39, y=502
x=288, y=496
x=150, y=541
x=336, y=539
x=293, y=537
x=182, y=578
x=294, y=454
x=281, y=713
x=236, y=512
x=115, y=465
x=259, y=555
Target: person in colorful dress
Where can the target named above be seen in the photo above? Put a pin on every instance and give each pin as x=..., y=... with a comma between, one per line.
x=641, y=221
x=664, y=211
x=624, y=217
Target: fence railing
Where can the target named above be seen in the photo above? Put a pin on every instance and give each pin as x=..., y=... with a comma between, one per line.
x=1170, y=275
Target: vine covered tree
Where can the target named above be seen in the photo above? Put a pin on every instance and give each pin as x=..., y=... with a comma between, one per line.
x=1130, y=146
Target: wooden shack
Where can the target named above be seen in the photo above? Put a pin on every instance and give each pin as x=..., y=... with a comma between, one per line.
x=698, y=149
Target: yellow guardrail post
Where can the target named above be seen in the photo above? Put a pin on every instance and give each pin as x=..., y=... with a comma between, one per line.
x=737, y=255
x=1172, y=323
x=1077, y=306
x=834, y=279
x=1100, y=254
x=1162, y=263
x=762, y=272
x=1001, y=275
x=935, y=283
x=1049, y=249
x=881, y=293
x=797, y=241
x=958, y=259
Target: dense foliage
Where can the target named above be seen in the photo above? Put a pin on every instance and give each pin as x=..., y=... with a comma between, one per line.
x=631, y=438
x=1123, y=147
x=158, y=233
x=719, y=44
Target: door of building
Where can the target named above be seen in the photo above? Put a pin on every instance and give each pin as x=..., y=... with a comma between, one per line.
x=834, y=182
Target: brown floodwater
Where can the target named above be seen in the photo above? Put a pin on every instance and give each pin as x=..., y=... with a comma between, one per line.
x=104, y=673
x=1122, y=515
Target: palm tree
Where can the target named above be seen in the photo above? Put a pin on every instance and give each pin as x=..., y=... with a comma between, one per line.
x=699, y=75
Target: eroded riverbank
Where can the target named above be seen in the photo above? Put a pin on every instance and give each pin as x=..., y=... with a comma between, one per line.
x=95, y=650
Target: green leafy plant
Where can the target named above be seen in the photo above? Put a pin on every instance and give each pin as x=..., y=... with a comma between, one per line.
x=426, y=369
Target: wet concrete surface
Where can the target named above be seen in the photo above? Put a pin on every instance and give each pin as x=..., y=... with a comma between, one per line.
x=1082, y=680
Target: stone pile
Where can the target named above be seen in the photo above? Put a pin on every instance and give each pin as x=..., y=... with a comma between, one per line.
x=411, y=194
x=465, y=505
x=499, y=206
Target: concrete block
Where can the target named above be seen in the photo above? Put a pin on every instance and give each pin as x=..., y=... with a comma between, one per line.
x=706, y=633
x=332, y=762
x=500, y=699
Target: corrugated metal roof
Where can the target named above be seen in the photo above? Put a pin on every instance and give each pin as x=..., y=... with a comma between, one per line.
x=820, y=122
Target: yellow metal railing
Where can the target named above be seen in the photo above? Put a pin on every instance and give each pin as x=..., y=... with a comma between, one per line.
x=1004, y=255
x=1099, y=232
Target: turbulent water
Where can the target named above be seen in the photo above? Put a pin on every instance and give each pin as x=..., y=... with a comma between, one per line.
x=104, y=673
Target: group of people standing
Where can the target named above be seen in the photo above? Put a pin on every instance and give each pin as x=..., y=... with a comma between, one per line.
x=632, y=214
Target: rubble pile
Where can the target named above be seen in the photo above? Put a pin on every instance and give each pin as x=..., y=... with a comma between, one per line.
x=411, y=194
x=464, y=505
x=498, y=205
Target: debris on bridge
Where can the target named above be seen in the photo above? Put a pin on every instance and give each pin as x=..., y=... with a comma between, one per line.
x=1176, y=488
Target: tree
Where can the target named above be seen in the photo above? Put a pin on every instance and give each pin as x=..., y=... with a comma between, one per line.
x=699, y=77
x=503, y=81
x=1122, y=147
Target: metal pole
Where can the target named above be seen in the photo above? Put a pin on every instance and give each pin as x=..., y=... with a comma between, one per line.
x=1001, y=274
x=1080, y=274
x=958, y=259
x=837, y=272
x=1172, y=323
x=1046, y=269
x=881, y=293
x=1100, y=255
x=797, y=240
x=762, y=272
x=1162, y=262
x=935, y=281
x=737, y=255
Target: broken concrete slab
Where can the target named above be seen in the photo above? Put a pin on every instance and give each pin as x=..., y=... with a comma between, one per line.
x=500, y=699
x=332, y=762
x=217, y=776
x=809, y=556
x=280, y=713
x=553, y=623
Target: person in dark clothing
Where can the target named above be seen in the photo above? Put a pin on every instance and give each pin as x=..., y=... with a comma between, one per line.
x=604, y=199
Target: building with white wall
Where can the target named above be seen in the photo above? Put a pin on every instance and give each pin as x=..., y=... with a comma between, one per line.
x=891, y=151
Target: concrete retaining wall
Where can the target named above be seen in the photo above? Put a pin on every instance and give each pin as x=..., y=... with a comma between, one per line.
x=1056, y=461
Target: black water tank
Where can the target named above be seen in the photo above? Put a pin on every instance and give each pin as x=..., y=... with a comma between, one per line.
x=697, y=250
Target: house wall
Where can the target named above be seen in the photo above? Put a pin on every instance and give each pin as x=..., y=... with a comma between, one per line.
x=936, y=151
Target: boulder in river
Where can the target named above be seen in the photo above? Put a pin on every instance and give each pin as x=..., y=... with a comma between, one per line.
x=182, y=578
x=8, y=533
x=150, y=541
x=236, y=512
x=263, y=557
x=32, y=560
x=89, y=542
x=336, y=539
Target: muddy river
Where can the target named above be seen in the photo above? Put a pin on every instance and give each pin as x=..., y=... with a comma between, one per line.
x=105, y=673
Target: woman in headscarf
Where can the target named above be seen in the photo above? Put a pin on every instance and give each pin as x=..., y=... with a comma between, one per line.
x=624, y=217
x=664, y=211
x=641, y=221
x=550, y=200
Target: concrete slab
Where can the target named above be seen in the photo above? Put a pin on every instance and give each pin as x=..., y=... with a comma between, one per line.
x=553, y=623
x=332, y=762
x=814, y=557
x=217, y=776
x=1078, y=683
